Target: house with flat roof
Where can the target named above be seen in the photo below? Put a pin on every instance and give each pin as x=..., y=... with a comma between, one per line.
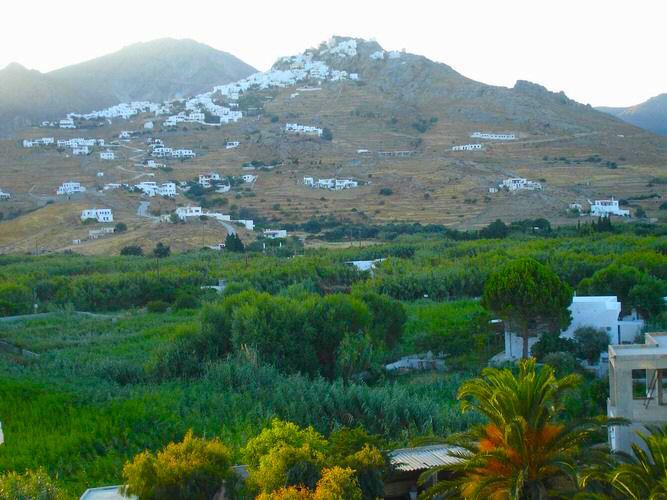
x=637, y=388
x=98, y=214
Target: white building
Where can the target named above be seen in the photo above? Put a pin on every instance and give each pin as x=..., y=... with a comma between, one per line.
x=605, y=208
x=249, y=178
x=185, y=212
x=81, y=151
x=70, y=188
x=4, y=196
x=492, y=136
x=66, y=123
x=148, y=126
x=107, y=155
x=295, y=128
x=309, y=181
x=599, y=312
x=467, y=147
x=519, y=183
x=183, y=153
x=274, y=234
x=637, y=389
x=99, y=214
x=205, y=180
x=341, y=184
x=332, y=184
x=162, y=152
x=151, y=188
x=232, y=144
x=125, y=134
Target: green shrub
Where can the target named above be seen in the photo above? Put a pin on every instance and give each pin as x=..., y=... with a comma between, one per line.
x=157, y=306
x=195, y=468
x=30, y=485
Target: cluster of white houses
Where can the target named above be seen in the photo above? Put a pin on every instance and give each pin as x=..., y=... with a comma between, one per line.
x=295, y=128
x=332, y=184
x=468, y=147
x=4, y=196
x=517, y=184
x=98, y=214
x=490, y=136
x=68, y=188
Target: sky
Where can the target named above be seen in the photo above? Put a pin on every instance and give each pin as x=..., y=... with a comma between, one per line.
x=599, y=52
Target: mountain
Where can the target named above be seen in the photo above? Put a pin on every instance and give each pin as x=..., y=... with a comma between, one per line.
x=155, y=71
x=650, y=115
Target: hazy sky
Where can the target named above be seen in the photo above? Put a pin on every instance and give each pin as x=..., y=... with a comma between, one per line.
x=602, y=52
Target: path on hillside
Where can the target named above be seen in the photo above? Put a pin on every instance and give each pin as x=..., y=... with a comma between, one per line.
x=142, y=211
x=230, y=229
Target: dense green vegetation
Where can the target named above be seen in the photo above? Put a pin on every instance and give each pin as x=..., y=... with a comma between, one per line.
x=301, y=338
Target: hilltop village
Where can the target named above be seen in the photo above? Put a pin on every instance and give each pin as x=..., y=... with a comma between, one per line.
x=257, y=150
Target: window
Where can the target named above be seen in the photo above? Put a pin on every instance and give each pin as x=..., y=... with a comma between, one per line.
x=662, y=387
x=639, y=384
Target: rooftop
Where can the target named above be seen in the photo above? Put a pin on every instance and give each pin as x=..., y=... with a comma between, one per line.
x=422, y=458
x=655, y=346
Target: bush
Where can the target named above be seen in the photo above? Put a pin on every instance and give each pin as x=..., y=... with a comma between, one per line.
x=132, y=250
x=551, y=342
x=386, y=191
x=29, y=485
x=563, y=363
x=157, y=306
x=121, y=227
x=590, y=343
x=15, y=299
x=185, y=300
x=326, y=134
x=195, y=468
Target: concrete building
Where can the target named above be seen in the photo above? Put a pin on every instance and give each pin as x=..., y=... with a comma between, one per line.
x=99, y=214
x=605, y=208
x=4, y=196
x=295, y=128
x=274, y=234
x=637, y=388
x=232, y=144
x=70, y=188
x=205, y=180
x=81, y=151
x=490, y=136
x=107, y=155
x=519, y=183
x=467, y=147
x=185, y=212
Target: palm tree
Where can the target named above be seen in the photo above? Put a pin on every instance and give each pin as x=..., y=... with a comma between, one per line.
x=523, y=451
x=643, y=475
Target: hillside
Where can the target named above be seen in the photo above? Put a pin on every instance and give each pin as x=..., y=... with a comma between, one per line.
x=371, y=101
x=153, y=71
x=650, y=115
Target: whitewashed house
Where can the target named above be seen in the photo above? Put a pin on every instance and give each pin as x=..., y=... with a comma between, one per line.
x=183, y=153
x=81, y=151
x=309, y=181
x=295, y=128
x=148, y=126
x=107, y=155
x=274, y=234
x=205, y=180
x=341, y=184
x=99, y=214
x=162, y=152
x=232, y=144
x=185, y=212
x=125, y=134
x=605, y=208
x=467, y=147
x=492, y=136
x=151, y=188
x=519, y=183
x=249, y=178
x=66, y=123
x=600, y=312
x=4, y=196
x=71, y=188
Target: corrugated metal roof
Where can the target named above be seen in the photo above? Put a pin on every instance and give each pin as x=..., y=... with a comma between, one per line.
x=105, y=493
x=422, y=458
